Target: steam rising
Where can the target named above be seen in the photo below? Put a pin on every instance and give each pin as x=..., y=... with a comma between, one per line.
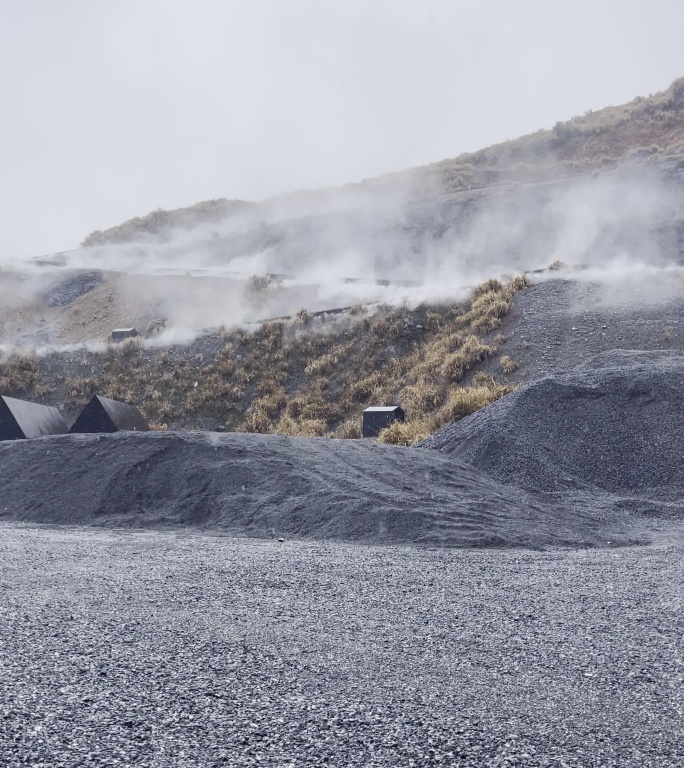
x=622, y=228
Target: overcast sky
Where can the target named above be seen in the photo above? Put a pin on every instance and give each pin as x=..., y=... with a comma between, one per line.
x=110, y=109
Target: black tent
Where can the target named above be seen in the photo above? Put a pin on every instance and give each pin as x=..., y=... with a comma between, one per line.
x=20, y=420
x=105, y=415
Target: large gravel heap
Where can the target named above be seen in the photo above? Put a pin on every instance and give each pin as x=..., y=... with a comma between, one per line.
x=614, y=424
x=272, y=486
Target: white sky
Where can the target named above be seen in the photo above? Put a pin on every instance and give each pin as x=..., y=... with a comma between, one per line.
x=111, y=108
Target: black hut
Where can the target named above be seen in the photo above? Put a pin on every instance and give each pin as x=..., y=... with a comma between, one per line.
x=121, y=334
x=378, y=417
x=105, y=415
x=20, y=420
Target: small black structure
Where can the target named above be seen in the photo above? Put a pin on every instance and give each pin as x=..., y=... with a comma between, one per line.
x=378, y=417
x=119, y=334
x=105, y=415
x=20, y=420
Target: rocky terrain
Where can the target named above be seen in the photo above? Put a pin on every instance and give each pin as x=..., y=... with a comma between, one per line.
x=273, y=486
x=561, y=322
x=160, y=650
x=612, y=424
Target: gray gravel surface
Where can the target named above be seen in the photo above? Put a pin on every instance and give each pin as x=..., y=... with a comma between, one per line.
x=559, y=322
x=153, y=649
x=71, y=287
x=271, y=485
x=614, y=424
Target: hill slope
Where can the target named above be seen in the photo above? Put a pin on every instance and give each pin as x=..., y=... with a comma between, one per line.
x=401, y=263
x=645, y=127
x=308, y=375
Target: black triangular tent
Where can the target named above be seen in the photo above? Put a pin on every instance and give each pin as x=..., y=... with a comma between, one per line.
x=105, y=415
x=20, y=420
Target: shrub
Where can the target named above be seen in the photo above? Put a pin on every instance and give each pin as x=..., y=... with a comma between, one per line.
x=350, y=428
x=303, y=317
x=420, y=398
x=403, y=433
x=508, y=364
x=489, y=286
x=19, y=374
x=466, y=400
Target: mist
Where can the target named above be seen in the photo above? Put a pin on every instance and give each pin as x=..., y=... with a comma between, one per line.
x=270, y=262
x=114, y=110
x=285, y=108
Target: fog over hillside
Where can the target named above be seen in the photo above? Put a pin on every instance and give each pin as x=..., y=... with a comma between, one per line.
x=263, y=109
x=363, y=249
x=111, y=111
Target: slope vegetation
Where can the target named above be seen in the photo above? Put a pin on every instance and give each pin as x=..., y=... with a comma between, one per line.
x=307, y=376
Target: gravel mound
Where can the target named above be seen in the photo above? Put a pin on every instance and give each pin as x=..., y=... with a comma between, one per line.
x=272, y=486
x=559, y=323
x=613, y=424
x=71, y=288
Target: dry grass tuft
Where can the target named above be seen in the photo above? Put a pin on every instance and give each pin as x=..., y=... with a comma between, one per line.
x=508, y=364
x=20, y=375
x=460, y=402
x=403, y=433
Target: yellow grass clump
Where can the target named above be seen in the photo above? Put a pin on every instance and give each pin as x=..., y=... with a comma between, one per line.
x=508, y=364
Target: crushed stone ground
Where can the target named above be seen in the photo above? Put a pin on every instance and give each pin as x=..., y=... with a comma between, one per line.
x=160, y=650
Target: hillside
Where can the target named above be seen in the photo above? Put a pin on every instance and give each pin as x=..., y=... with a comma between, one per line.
x=307, y=376
x=600, y=140
x=292, y=316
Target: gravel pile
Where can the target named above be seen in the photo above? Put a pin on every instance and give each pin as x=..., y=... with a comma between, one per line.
x=272, y=486
x=70, y=288
x=559, y=323
x=614, y=424
x=160, y=650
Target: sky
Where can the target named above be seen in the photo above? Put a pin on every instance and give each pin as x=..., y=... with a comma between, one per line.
x=112, y=109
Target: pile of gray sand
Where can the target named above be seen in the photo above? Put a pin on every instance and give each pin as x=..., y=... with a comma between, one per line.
x=275, y=486
x=614, y=424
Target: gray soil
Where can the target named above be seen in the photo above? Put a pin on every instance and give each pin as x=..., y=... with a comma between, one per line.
x=152, y=649
x=272, y=486
x=70, y=288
